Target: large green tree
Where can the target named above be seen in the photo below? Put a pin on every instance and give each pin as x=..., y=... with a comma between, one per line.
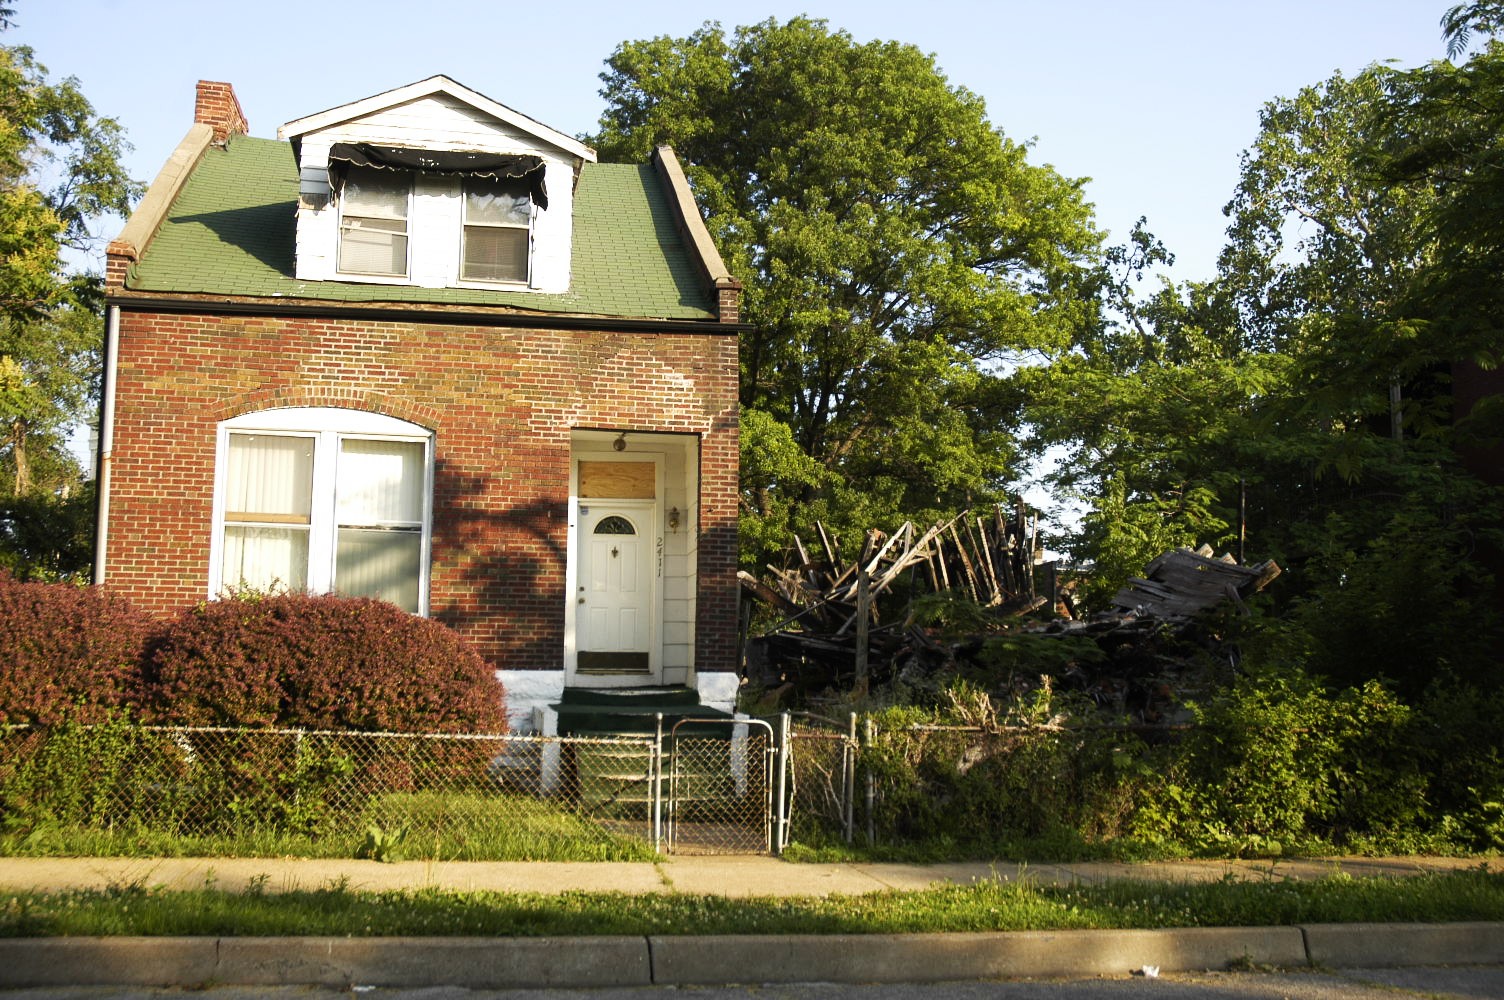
x=1299, y=406
x=897, y=249
x=60, y=170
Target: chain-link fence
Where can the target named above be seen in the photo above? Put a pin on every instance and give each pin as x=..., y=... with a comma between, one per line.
x=722, y=785
x=823, y=776
x=982, y=786
x=328, y=793
x=702, y=786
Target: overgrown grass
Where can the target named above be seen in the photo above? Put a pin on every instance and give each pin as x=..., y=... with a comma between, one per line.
x=417, y=826
x=984, y=906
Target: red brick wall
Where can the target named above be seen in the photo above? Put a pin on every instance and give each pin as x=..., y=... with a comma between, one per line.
x=215, y=105
x=501, y=403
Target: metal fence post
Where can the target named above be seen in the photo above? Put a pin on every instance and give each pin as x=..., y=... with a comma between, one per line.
x=781, y=839
x=848, y=781
x=655, y=785
x=871, y=786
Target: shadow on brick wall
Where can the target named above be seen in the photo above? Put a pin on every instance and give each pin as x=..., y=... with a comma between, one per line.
x=498, y=567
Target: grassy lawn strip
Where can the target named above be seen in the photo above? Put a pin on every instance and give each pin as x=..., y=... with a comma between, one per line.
x=448, y=826
x=984, y=906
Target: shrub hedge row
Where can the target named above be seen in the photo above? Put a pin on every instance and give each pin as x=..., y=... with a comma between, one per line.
x=326, y=662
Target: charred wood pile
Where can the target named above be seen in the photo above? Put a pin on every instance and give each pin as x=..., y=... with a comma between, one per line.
x=845, y=618
x=852, y=622
x=988, y=557
x=1181, y=584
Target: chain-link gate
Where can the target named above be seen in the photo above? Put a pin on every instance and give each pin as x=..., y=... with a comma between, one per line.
x=703, y=786
x=725, y=787
x=822, y=777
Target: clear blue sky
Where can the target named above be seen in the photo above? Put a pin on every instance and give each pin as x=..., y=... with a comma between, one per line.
x=1153, y=100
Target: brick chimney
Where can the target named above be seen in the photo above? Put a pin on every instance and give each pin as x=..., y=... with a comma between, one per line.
x=217, y=107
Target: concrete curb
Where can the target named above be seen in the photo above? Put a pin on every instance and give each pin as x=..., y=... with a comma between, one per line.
x=1353, y=946
x=912, y=958
x=339, y=962
x=578, y=962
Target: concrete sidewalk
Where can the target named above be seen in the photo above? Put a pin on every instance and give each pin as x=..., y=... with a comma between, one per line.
x=481, y=963
x=737, y=877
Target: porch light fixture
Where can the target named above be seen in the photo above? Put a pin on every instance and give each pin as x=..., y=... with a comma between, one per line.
x=673, y=519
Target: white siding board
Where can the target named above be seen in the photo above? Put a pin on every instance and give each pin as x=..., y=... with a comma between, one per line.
x=432, y=123
x=437, y=122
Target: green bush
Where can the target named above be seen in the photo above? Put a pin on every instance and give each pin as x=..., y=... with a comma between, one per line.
x=990, y=791
x=318, y=663
x=66, y=652
x=1460, y=730
x=1281, y=761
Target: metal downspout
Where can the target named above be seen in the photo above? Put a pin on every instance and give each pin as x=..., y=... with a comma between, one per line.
x=106, y=438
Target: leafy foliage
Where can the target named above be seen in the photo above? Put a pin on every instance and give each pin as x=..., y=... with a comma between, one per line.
x=66, y=652
x=896, y=249
x=48, y=536
x=60, y=170
x=985, y=794
x=1280, y=761
x=145, y=785
x=1300, y=406
x=319, y=663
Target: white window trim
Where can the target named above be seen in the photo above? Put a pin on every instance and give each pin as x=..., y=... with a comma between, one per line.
x=387, y=277
x=328, y=426
x=465, y=224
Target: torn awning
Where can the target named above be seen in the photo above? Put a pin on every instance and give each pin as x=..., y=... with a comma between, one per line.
x=492, y=166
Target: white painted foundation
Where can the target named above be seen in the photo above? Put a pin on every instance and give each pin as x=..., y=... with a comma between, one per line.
x=718, y=689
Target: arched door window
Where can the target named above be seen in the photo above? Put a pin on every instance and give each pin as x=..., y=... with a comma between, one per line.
x=615, y=525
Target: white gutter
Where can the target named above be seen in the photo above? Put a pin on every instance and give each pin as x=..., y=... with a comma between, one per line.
x=106, y=437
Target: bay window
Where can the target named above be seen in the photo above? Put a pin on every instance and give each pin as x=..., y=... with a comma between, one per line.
x=324, y=500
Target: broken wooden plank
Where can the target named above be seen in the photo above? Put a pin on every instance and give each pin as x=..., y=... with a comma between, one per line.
x=831, y=545
x=768, y=594
x=970, y=573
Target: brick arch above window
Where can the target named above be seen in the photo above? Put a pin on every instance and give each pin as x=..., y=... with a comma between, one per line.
x=323, y=499
x=335, y=397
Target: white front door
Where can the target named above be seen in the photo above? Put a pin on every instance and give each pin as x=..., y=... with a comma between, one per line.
x=614, y=610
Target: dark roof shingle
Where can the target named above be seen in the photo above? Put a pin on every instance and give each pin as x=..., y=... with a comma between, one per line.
x=231, y=232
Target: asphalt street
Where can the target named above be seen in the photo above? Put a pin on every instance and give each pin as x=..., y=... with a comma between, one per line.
x=1442, y=983
x=1448, y=960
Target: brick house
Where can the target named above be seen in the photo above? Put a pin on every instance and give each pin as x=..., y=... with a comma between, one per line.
x=424, y=348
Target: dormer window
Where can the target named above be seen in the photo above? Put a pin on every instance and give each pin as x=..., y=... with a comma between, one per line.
x=498, y=229
x=435, y=186
x=373, y=222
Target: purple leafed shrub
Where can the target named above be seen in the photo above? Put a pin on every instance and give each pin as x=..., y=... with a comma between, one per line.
x=318, y=663
x=66, y=652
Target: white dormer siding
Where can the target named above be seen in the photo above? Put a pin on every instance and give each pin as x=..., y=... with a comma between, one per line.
x=434, y=121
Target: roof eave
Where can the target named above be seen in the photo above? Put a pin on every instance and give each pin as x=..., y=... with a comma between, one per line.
x=425, y=88
x=147, y=217
x=713, y=270
x=408, y=312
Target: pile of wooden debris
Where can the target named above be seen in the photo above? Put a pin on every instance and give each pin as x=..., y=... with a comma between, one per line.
x=1181, y=584
x=851, y=622
x=988, y=557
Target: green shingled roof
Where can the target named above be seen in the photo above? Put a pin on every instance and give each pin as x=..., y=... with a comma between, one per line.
x=231, y=232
